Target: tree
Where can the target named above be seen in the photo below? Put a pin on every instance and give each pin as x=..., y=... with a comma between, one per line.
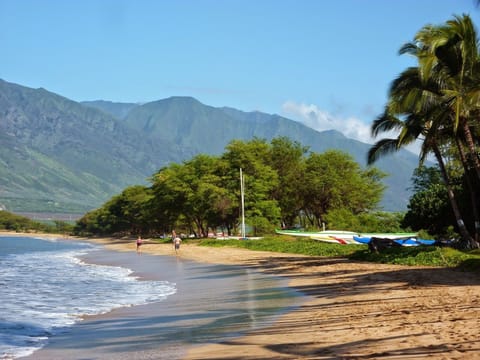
x=429, y=210
x=193, y=192
x=98, y=221
x=261, y=180
x=129, y=210
x=203, y=193
x=429, y=207
x=426, y=103
x=166, y=201
x=334, y=180
x=453, y=51
x=424, y=177
x=123, y=213
x=287, y=158
x=365, y=222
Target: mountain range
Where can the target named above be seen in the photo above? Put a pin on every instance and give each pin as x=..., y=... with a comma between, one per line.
x=59, y=155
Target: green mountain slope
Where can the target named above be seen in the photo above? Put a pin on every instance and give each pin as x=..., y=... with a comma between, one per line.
x=118, y=110
x=189, y=123
x=63, y=156
x=57, y=151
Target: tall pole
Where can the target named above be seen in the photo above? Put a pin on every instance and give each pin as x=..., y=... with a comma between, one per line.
x=243, y=203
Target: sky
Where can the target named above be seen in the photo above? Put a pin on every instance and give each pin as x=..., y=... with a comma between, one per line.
x=325, y=63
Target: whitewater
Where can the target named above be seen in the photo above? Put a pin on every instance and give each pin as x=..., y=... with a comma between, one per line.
x=45, y=288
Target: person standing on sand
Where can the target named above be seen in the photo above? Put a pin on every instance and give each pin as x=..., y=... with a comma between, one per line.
x=139, y=243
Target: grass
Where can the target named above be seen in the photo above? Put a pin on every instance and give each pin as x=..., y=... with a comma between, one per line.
x=421, y=256
x=287, y=245
x=415, y=256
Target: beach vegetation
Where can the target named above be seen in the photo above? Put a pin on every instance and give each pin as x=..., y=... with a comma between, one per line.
x=286, y=244
x=202, y=195
x=13, y=222
x=333, y=180
x=412, y=256
x=423, y=256
x=429, y=208
x=366, y=222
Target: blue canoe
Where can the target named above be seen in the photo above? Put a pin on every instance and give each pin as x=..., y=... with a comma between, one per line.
x=401, y=241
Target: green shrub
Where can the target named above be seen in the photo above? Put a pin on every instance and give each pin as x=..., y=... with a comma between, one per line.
x=285, y=244
x=414, y=256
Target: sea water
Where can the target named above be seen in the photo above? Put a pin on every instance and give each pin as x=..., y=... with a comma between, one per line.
x=45, y=288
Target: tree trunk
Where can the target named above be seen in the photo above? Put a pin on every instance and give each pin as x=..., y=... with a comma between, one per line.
x=471, y=147
x=310, y=217
x=472, y=191
x=466, y=238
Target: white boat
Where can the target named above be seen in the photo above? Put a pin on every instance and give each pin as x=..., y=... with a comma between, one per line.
x=346, y=235
x=345, y=239
x=398, y=235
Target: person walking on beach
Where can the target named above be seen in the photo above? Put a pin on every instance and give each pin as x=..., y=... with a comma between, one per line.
x=139, y=243
x=176, y=241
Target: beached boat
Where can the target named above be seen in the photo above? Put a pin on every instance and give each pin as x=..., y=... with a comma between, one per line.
x=397, y=235
x=344, y=240
x=403, y=241
x=328, y=239
x=336, y=233
x=330, y=236
x=350, y=237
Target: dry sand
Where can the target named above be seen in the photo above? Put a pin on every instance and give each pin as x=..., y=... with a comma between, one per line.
x=352, y=310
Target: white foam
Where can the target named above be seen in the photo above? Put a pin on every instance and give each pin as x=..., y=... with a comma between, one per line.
x=43, y=292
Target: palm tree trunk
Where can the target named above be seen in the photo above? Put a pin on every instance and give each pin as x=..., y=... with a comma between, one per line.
x=472, y=191
x=471, y=147
x=466, y=238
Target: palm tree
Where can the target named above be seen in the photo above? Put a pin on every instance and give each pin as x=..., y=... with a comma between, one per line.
x=451, y=51
x=417, y=111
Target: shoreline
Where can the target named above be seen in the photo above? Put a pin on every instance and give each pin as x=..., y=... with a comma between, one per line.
x=351, y=309
x=211, y=303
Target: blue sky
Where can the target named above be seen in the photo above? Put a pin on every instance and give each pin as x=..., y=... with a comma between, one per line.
x=325, y=63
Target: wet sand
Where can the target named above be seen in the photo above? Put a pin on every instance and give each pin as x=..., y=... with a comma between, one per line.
x=352, y=310
x=212, y=303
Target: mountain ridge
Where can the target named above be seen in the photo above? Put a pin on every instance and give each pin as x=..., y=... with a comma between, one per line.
x=76, y=155
x=267, y=126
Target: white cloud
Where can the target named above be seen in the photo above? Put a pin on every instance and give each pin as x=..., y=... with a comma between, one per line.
x=320, y=120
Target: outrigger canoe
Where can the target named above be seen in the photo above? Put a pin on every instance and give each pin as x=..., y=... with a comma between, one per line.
x=336, y=233
x=350, y=237
x=406, y=241
x=393, y=236
x=335, y=239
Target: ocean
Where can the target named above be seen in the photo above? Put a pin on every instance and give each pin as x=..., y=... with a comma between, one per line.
x=45, y=288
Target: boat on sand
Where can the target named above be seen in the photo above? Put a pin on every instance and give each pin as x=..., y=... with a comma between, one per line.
x=350, y=237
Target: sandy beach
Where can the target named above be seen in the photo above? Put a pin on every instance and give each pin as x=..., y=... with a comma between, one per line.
x=353, y=310
x=350, y=310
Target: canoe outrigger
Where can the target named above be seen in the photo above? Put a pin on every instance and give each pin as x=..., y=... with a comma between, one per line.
x=350, y=237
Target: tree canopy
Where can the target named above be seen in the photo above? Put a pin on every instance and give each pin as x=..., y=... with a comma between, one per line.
x=436, y=102
x=285, y=185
